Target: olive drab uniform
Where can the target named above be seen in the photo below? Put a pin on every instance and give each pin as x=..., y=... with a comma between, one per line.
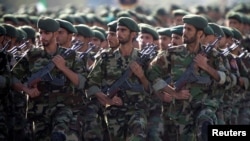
x=183, y=113
x=53, y=111
x=129, y=120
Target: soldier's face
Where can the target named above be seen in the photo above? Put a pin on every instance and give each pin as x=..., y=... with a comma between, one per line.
x=145, y=38
x=112, y=39
x=45, y=37
x=123, y=34
x=176, y=40
x=63, y=36
x=189, y=34
x=164, y=41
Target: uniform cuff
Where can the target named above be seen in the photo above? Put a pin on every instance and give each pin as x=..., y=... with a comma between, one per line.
x=92, y=91
x=158, y=85
x=222, y=77
x=82, y=81
x=234, y=80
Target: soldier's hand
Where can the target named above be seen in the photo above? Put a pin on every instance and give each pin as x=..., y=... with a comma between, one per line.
x=182, y=94
x=137, y=69
x=164, y=96
x=59, y=61
x=106, y=101
x=32, y=92
x=201, y=61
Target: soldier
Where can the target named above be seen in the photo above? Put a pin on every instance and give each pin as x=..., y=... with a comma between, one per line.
x=65, y=33
x=242, y=79
x=176, y=35
x=52, y=110
x=126, y=112
x=164, y=38
x=177, y=16
x=187, y=98
x=148, y=35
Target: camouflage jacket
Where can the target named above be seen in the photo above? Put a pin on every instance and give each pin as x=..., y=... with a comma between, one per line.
x=109, y=68
x=174, y=62
x=37, y=59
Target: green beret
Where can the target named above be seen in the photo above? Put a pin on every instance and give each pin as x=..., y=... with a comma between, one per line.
x=234, y=15
x=48, y=24
x=146, y=28
x=10, y=17
x=228, y=32
x=112, y=26
x=98, y=35
x=23, y=18
x=67, y=25
x=177, y=30
x=179, y=12
x=33, y=19
x=101, y=29
x=22, y=35
x=67, y=17
x=31, y=32
x=237, y=34
x=164, y=31
x=129, y=23
x=78, y=19
x=123, y=14
x=208, y=30
x=84, y=30
x=217, y=30
x=2, y=30
x=197, y=21
x=10, y=30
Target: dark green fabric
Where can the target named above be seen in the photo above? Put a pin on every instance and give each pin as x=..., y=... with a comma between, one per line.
x=164, y=31
x=177, y=30
x=67, y=25
x=146, y=28
x=10, y=30
x=129, y=23
x=197, y=21
x=217, y=30
x=84, y=30
x=48, y=24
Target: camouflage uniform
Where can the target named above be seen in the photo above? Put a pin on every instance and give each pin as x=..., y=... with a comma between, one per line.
x=5, y=82
x=126, y=122
x=184, y=113
x=56, y=112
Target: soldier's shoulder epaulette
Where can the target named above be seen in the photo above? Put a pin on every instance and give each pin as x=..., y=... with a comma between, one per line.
x=179, y=48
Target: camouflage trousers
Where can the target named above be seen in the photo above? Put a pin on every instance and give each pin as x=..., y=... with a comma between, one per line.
x=95, y=127
x=155, y=120
x=18, y=119
x=244, y=111
x=126, y=123
x=171, y=129
x=4, y=130
x=56, y=116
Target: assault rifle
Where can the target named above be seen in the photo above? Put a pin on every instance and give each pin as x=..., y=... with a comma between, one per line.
x=189, y=75
x=84, y=54
x=231, y=48
x=20, y=48
x=44, y=73
x=146, y=54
